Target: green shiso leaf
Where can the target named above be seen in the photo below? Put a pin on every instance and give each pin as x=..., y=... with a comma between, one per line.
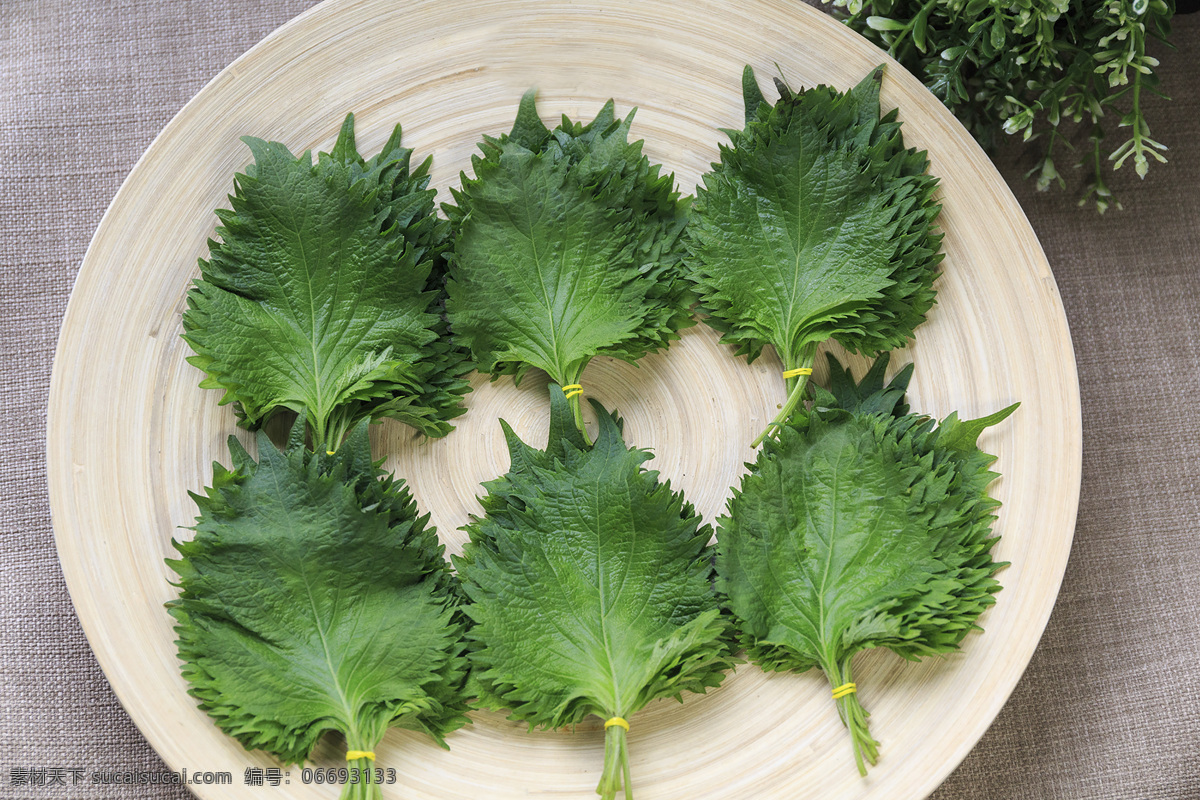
x=320, y=294
x=590, y=586
x=860, y=526
x=816, y=223
x=313, y=598
x=567, y=245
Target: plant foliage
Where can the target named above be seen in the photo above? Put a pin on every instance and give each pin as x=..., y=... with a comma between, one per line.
x=567, y=246
x=320, y=295
x=816, y=223
x=313, y=598
x=862, y=525
x=1030, y=66
x=590, y=586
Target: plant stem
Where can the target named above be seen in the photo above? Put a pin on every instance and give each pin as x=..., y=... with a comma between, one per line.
x=576, y=400
x=366, y=787
x=334, y=433
x=854, y=717
x=1138, y=146
x=318, y=434
x=616, y=765
x=796, y=391
x=905, y=32
x=577, y=410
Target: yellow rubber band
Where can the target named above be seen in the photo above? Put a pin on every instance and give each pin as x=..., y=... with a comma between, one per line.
x=572, y=390
x=843, y=690
x=624, y=723
x=797, y=372
x=354, y=755
x=328, y=452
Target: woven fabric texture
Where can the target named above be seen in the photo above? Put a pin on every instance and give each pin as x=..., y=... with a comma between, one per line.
x=1108, y=708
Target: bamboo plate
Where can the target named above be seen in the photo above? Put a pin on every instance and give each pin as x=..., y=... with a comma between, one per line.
x=130, y=433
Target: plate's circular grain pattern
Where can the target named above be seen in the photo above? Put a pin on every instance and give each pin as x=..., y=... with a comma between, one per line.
x=130, y=433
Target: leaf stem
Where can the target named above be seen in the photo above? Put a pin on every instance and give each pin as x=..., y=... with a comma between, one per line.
x=366, y=787
x=795, y=394
x=327, y=432
x=317, y=425
x=577, y=410
x=854, y=717
x=569, y=377
x=616, y=765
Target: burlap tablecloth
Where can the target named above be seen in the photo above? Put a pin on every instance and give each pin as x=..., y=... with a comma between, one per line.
x=1109, y=707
